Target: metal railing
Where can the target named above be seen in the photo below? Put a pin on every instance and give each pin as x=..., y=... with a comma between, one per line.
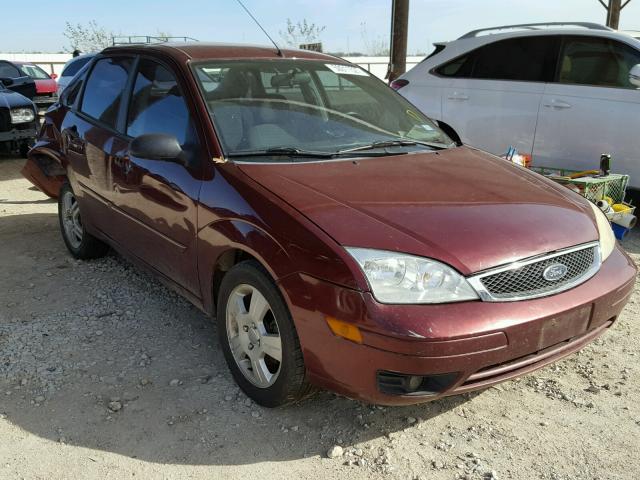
x=536, y=26
x=137, y=39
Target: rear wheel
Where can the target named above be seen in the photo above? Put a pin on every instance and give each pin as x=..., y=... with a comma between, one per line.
x=79, y=242
x=258, y=337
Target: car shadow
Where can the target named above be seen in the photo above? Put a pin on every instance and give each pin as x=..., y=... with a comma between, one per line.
x=100, y=355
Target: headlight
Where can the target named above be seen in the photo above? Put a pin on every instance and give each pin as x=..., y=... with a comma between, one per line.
x=607, y=239
x=22, y=115
x=400, y=278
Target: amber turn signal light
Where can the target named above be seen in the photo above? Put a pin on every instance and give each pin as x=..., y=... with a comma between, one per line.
x=344, y=329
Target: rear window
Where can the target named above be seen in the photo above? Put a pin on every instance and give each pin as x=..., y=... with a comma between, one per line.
x=35, y=71
x=74, y=67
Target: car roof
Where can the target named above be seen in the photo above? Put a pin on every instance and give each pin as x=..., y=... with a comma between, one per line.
x=209, y=51
x=533, y=32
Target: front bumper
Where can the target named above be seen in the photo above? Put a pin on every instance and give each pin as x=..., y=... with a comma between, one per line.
x=45, y=100
x=483, y=343
x=18, y=134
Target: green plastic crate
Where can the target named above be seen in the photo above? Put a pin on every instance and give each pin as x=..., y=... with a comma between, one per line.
x=613, y=185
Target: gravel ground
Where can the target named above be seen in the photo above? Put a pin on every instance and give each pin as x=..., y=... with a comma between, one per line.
x=104, y=373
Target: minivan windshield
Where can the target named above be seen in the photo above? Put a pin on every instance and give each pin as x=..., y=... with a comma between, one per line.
x=290, y=107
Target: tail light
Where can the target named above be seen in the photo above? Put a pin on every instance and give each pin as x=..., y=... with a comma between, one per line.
x=399, y=83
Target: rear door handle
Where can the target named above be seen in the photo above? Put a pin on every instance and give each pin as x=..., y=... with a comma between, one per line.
x=556, y=104
x=458, y=96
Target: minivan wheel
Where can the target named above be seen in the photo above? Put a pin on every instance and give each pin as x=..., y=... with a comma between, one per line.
x=258, y=337
x=79, y=242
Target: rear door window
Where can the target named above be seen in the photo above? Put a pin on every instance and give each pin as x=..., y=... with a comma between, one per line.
x=597, y=62
x=104, y=89
x=525, y=59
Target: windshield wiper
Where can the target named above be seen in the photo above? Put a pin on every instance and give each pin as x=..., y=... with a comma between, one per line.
x=301, y=153
x=392, y=143
x=283, y=151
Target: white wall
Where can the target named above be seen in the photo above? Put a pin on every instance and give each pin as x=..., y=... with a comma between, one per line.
x=378, y=65
x=49, y=62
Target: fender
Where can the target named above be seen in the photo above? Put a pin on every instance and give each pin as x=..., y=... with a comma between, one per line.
x=233, y=234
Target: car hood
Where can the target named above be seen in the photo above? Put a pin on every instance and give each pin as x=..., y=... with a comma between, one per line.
x=46, y=86
x=461, y=206
x=11, y=99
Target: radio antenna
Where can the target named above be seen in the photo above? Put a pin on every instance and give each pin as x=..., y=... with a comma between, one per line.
x=279, y=52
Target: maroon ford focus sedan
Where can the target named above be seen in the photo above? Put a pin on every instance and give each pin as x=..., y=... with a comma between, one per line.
x=340, y=239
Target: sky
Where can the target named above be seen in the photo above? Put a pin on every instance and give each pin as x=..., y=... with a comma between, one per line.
x=345, y=21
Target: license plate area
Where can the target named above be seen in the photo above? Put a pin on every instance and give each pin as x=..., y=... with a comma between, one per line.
x=563, y=327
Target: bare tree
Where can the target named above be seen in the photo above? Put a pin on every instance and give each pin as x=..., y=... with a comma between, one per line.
x=301, y=32
x=87, y=38
x=375, y=46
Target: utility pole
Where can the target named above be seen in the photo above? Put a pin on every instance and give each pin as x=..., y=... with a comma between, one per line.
x=613, y=12
x=399, y=30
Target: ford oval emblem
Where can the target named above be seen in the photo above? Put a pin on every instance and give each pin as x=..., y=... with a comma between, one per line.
x=554, y=272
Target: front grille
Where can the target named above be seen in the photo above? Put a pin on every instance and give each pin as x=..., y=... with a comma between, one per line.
x=525, y=279
x=5, y=120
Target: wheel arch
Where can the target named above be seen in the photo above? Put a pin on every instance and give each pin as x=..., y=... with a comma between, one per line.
x=225, y=243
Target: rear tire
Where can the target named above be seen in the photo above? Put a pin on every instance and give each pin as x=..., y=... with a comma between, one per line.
x=79, y=242
x=258, y=337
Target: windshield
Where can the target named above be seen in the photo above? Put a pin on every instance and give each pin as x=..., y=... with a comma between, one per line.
x=309, y=106
x=35, y=72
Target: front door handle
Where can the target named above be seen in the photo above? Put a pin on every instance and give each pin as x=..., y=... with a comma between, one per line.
x=458, y=96
x=123, y=163
x=559, y=104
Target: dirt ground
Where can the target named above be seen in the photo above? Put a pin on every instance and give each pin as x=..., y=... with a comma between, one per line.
x=104, y=373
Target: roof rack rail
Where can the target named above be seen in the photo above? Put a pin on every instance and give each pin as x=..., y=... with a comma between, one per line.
x=535, y=26
x=152, y=39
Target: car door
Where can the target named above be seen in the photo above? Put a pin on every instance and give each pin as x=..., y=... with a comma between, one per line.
x=494, y=92
x=16, y=80
x=156, y=201
x=591, y=108
x=88, y=132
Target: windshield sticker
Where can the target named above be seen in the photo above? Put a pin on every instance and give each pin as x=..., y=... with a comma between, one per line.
x=346, y=69
x=414, y=115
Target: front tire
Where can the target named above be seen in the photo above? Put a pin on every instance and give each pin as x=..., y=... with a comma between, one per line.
x=258, y=337
x=79, y=242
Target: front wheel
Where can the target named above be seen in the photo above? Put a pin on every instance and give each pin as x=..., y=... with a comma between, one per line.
x=79, y=242
x=258, y=337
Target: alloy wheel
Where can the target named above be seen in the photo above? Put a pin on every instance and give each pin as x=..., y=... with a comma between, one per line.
x=253, y=336
x=71, y=219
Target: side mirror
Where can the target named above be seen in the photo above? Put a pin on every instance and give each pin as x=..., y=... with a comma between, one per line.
x=7, y=82
x=156, y=146
x=634, y=75
x=54, y=76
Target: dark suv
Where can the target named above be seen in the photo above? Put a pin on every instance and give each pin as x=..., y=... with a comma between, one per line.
x=338, y=236
x=18, y=119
